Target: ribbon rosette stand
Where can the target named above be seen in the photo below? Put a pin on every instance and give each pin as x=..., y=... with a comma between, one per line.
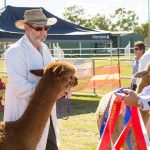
x=109, y=122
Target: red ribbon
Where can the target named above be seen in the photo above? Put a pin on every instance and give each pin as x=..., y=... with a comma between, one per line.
x=123, y=135
x=138, y=129
x=110, y=125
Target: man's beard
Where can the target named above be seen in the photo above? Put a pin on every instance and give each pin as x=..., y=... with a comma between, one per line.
x=43, y=38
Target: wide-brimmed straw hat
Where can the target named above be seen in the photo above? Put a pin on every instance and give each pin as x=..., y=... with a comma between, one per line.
x=35, y=16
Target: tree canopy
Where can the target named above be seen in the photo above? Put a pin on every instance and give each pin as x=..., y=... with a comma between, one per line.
x=77, y=14
x=123, y=20
x=142, y=29
x=120, y=20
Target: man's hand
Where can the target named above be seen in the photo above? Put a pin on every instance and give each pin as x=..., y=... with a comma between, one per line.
x=131, y=98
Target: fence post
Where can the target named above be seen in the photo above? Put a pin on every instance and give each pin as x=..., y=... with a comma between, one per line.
x=94, y=89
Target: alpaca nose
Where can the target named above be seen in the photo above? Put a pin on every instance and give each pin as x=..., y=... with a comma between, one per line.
x=74, y=81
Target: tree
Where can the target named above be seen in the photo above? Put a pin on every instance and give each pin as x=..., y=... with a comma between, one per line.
x=78, y=15
x=123, y=20
x=142, y=29
x=100, y=22
x=75, y=14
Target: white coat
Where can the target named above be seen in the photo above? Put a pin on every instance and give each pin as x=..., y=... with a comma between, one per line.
x=145, y=98
x=145, y=94
x=19, y=60
x=144, y=60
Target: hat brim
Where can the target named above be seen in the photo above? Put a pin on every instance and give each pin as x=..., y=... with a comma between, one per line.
x=50, y=21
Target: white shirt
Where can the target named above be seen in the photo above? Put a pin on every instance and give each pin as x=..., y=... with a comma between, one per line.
x=145, y=98
x=145, y=94
x=144, y=60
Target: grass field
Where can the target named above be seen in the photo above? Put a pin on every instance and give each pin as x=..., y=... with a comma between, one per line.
x=80, y=131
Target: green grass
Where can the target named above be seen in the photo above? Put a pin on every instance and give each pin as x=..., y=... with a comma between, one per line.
x=80, y=131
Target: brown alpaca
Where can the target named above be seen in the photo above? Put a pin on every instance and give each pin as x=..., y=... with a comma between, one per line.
x=25, y=133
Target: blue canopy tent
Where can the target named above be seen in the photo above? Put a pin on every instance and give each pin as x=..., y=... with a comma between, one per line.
x=61, y=31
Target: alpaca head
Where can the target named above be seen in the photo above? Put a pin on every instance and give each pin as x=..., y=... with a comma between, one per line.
x=59, y=75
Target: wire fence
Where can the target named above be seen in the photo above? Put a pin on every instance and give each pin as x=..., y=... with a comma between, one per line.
x=125, y=74
x=95, y=60
x=101, y=57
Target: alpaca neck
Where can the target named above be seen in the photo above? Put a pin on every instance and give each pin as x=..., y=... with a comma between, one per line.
x=38, y=111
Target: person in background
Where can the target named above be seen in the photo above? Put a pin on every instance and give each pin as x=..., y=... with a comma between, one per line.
x=145, y=59
x=139, y=50
x=29, y=53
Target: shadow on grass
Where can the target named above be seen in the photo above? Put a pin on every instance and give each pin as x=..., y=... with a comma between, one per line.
x=77, y=107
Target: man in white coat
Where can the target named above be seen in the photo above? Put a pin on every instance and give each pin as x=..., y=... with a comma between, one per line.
x=27, y=54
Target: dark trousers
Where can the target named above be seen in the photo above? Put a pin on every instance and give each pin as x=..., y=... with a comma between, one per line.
x=51, y=140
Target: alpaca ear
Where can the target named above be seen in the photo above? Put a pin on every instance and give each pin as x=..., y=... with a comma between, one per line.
x=141, y=74
x=38, y=72
x=58, y=70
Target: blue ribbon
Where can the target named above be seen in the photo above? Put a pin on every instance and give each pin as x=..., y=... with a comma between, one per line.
x=126, y=119
x=105, y=117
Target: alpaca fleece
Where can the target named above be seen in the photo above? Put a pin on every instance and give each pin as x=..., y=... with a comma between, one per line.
x=25, y=133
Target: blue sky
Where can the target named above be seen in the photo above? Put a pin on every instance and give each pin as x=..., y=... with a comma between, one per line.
x=92, y=7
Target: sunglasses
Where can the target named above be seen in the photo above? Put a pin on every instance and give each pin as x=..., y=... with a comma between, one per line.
x=46, y=28
x=136, y=49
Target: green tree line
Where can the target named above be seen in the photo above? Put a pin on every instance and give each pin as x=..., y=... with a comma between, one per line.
x=120, y=20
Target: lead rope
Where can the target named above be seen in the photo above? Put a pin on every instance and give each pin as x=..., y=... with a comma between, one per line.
x=60, y=101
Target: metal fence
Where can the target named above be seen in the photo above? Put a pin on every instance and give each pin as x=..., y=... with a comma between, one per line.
x=102, y=57
x=98, y=58
x=125, y=73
